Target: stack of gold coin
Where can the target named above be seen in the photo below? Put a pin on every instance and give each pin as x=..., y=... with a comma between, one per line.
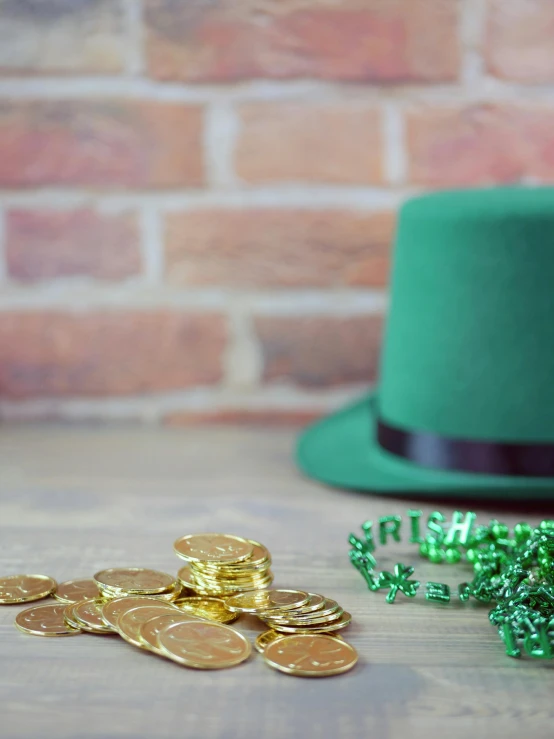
x=119, y=582
x=222, y=564
x=292, y=611
x=299, y=641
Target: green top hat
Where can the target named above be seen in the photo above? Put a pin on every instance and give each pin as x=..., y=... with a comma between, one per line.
x=465, y=403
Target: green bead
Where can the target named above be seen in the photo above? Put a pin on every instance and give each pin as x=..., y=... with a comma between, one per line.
x=453, y=556
x=522, y=531
x=389, y=526
x=500, y=530
x=471, y=555
x=464, y=591
x=414, y=517
x=547, y=524
x=424, y=549
x=459, y=531
x=438, y=592
x=436, y=556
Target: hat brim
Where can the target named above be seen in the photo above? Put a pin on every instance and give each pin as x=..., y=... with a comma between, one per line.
x=341, y=450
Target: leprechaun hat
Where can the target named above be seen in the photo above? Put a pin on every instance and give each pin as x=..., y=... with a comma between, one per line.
x=465, y=400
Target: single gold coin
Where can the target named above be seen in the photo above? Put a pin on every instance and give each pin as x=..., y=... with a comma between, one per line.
x=206, y=607
x=87, y=614
x=45, y=620
x=257, y=601
x=69, y=617
x=310, y=656
x=204, y=645
x=268, y=637
x=213, y=548
x=186, y=578
x=188, y=582
x=340, y=623
x=25, y=588
x=148, y=632
x=316, y=603
x=129, y=623
x=265, y=639
x=73, y=591
x=134, y=580
x=112, y=611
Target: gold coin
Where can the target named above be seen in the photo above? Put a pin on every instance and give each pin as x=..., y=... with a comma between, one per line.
x=310, y=656
x=134, y=580
x=112, y=611
x=263, y=640
x=74, y=591
x=213, y=548
x=25, y=588
x=316, y=603
x=129, y=623
x=264, y=600
x=88, y=616
x=45, y=621
x=148, y=632
x=186, y=579
x=340, y=623
x=68, y=616
x=203, y=645
x=205, y=607
x=268, y=637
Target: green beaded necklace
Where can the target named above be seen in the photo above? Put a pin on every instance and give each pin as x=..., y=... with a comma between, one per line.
x=513, y=570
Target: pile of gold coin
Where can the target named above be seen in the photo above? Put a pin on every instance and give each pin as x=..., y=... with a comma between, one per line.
x=157, y=612
x=221, y=564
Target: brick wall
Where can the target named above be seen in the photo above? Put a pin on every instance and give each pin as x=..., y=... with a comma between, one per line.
x=197, y=196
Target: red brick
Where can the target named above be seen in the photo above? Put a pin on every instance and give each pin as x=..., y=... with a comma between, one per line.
x=50, y=353
x=278, y=247
x=319, y=351
x=111, y=143
x=367, y=40
x=244, y=417
x=482, y=144
x=64, y=36
x=335, y=143
x=519, y=38
x=42, y=245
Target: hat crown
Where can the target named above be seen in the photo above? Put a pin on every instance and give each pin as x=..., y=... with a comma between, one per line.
x=469, y=342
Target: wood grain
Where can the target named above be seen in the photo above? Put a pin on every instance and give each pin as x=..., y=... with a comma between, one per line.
x=73, y=501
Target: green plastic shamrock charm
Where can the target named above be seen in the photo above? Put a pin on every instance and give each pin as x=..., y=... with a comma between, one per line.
x=398, y=581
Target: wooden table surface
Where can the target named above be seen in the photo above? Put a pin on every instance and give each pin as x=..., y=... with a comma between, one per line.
x=73, y=501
